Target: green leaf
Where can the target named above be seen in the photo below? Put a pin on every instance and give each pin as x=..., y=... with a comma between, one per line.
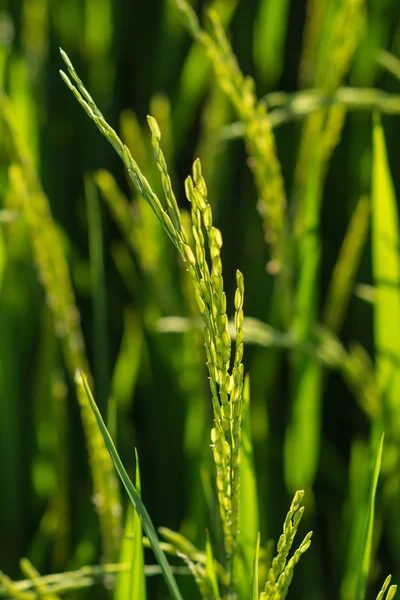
x=270, y=29
x=369, y=527
x=386, y=273
x=344, y=274
x=302, y=439
x=254, y=592
x=210, y=568
x=134, y=497
x=3, y=256
x=131, y=585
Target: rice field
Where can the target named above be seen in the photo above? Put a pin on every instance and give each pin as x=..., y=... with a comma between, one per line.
x=199, y=299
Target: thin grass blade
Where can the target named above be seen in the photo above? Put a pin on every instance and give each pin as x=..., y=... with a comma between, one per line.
x=386, y=273
x=210, y=568
x=254, y=592
x=131, y=584
x=133, y=495
x=369, y=527
x=344, y=273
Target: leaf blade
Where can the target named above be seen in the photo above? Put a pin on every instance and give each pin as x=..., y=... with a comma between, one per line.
x=133, y=495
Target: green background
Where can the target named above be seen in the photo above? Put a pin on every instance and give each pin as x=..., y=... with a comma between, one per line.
x=137, y=56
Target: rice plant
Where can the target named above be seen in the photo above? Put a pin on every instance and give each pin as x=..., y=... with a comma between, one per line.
x=250, y=366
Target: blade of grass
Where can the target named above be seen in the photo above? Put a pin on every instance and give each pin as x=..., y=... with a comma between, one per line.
x=211, y=572
x=346, y=267
x=132, y=493
x=131, y=585
x=354, y=520
x=254, y=592
x=3, y=257
x=269, y=38
x=365, y=562
x=301, y=450
x=386, y=273
x=390, y=62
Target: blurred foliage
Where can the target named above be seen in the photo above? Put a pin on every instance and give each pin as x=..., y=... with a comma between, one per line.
x=320, y=397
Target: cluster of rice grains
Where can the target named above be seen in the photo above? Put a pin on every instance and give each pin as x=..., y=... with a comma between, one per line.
x=205, y=269
x=226, y=382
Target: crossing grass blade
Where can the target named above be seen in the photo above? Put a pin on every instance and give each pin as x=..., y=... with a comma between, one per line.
x=133, y=495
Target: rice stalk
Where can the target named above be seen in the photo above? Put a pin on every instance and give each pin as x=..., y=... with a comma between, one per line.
x=284, y=108
x=207, y=281
x=194, y=78
x=258, y=136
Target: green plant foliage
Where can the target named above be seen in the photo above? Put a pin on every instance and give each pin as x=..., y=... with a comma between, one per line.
x=387, y=592
x=132, y=584
x=281, y=572
x=386, y=269
x=254, y=593
x=52, y=265
x=270, y=107
x=208, y=287
x=132, y=491
x=369, y=527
